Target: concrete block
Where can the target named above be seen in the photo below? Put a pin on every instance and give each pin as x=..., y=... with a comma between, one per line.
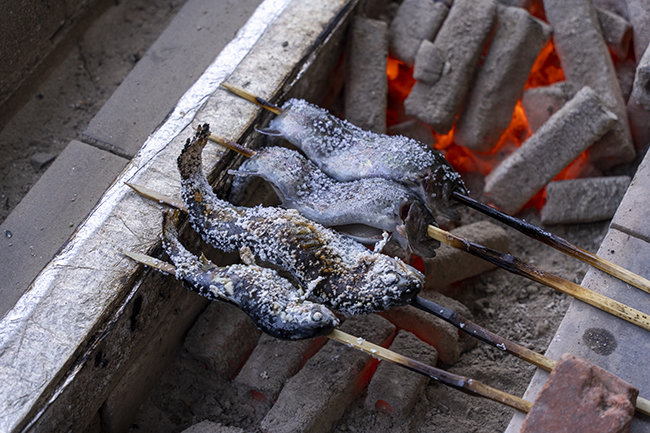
x=316, y=398
x=451, y=265
x=366, y=87
x=51, y=211
x=500, y=80
x=457, y=47
x=415, y=21
x=542, y=102
x=617, y=32
x=188, y=45
x=221, y=340
x=394, y=389
x=631, y=216
x=586, y=61
x=271, y=364
x=212, y=427
x=568, y=133
x=583, y=200
x=583, y=397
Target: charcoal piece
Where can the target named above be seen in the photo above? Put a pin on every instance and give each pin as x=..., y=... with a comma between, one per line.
x=639, y=124
x=415, y=21
x=413, y=129
x=586, y=61
x=583, y=200
x=541, y=102
x=501, y=79
x=625, y=72
x=570, y=131
x=457, y=46
x=641, y=87
x=617, y=32
x=639, y=17
x=619, y=7
x=366, y=85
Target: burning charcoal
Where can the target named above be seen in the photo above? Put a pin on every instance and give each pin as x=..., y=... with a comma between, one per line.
x=586, y=62
x=569, y=132
x=451, y=265
x=414, y=129
x=639, y=14
x=641, y=88
x=619, y=7
x=271, y=364
x=541, y=102
x=584, y=396
x=639, y=124
x=416, y=20
x=367, y=86
x=583, y=200
x=526, y=4
x=617, y=32
x=318, y=395
x=500, y=81
x=455, y=55
x=394, y=389
x=625, y=71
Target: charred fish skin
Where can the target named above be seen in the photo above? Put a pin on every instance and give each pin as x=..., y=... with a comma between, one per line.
x=347, y=152
x=374, y=202
x=335, y=271
x=274, y=305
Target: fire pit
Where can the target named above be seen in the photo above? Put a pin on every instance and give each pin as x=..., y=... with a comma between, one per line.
x=129, y=334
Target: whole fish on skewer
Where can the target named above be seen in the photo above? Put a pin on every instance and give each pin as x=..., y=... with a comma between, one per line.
x=332, y=270
x=361, y=209
x=346, y=152
x=272, y=302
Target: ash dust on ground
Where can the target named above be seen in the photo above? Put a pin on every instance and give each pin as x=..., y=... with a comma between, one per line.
x=75, y=91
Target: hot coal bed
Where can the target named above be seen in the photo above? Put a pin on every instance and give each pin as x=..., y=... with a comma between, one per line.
x=541, y=108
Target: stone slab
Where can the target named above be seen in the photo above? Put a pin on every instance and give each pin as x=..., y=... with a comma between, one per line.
x=171, y=65
x=609, y=342
x=51, y=211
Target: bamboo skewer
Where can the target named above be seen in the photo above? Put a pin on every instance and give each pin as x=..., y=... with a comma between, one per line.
x=520, y=267
x=528, y=229
x=461, y=383
x=523, y=353
x=558, y=243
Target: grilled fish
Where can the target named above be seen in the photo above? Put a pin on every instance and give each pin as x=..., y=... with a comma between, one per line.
x=346, y=152
x=332, y=270
x=272, y=302
x=365, y=203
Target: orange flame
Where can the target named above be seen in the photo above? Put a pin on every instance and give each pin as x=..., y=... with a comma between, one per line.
x=546, y=70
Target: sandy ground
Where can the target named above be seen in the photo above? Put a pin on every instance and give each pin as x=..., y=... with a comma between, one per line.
x=76, y=90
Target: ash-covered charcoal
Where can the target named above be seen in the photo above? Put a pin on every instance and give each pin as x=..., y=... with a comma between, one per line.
x=332, y=269
x=346, y=152
x=272, y=302
x=352, y=206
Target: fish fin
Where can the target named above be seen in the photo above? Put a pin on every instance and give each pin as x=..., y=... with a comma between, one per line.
x=270, y=131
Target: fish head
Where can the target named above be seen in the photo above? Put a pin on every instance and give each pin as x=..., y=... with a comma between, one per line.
x=303, y=320
x=414, y=228
x=437, y=184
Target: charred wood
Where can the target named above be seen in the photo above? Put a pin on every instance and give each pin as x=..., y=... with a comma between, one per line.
x=569, y=132
x=453, y=57
x=542, y=102
x=501, y=79
x=617, y=32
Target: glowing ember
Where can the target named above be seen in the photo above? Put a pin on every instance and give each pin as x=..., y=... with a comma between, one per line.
x=545, y=71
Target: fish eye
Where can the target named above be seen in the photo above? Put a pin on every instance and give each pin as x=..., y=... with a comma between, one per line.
x=317, y=316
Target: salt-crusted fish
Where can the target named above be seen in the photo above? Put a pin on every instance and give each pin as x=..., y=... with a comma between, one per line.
x=347, y=152
x=272, y=302
x=376, y=203
x=331, y=269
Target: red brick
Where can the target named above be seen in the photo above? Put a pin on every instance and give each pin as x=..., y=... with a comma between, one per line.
x=316, y=398
x=582, y=397
x=393, y=388
x=221, y=340
x=271, y=364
